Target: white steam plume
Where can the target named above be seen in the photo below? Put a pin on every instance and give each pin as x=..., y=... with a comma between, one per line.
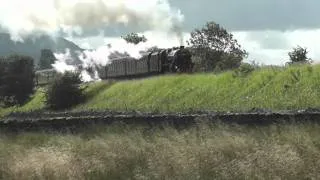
x=101, y=57
x=22, y=18
x=61, y=63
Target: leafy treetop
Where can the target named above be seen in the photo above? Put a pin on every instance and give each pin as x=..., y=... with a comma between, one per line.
x=134, y=38
x=213, y=44
x=299, y=55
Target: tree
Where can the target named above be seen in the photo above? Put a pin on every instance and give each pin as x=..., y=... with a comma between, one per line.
x=47, y=59
x=17, y=79
x=65, y=91
x=299, y=55
x=134, y=38
x=216, y=47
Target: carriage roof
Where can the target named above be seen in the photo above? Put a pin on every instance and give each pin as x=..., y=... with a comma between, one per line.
x=45, y=71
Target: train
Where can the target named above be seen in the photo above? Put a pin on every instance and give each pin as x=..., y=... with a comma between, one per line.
x=173, y=60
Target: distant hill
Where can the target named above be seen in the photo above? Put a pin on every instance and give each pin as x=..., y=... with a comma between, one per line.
x=32, y=46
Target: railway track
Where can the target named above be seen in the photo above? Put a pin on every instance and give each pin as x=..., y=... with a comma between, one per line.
x=71, y=121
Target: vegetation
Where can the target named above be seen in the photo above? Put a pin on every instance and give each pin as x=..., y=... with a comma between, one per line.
x=273, y=88
x=134, y=38
x=299, y=55
x=16, y=79
x=216, y=48
x=244, y=69
x=65, y=91
x=205, y=151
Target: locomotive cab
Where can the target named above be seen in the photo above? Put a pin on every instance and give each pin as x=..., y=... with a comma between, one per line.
x=180, y=60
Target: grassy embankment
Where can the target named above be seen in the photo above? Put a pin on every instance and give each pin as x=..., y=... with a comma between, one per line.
x=200, y=152
x=275, y=89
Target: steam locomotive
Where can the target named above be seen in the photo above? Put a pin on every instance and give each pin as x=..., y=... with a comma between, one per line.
x=157, y=62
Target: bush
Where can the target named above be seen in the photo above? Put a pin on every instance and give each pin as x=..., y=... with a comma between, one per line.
x=65, y=91
x=299, y=56
x=16, y=79
x=244, y=70
x=228, y=62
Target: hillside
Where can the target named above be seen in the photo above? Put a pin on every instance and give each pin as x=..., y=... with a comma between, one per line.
x=268, y=88
x=33, y=46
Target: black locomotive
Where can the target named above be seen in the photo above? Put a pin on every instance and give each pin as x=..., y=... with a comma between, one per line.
x=157, y=62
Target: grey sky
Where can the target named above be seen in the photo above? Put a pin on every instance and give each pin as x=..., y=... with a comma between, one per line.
x=240, y=15
x=246, y=15
x=266, y=28
x=269, y=39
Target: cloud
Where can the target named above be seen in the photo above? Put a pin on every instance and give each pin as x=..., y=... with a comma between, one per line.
x=253, y=15
x=273, y=47
x=22, y=18
x=271, y=40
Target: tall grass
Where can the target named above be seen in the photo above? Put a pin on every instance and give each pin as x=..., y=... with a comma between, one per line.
x=206, y=151
x=296, y=87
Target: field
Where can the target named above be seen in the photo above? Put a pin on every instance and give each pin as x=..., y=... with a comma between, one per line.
x=205, y=151
x=268, y=88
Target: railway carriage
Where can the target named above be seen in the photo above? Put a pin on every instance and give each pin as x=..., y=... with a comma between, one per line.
x=44, y=77
x=157, y=62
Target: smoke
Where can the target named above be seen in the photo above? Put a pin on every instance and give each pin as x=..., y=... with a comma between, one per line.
x=99, y=57
x=61, y=63
x=22, y=18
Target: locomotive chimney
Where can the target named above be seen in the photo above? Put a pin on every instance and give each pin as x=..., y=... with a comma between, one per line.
x=181, y=47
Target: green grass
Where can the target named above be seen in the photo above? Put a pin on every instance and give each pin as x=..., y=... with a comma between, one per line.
x=37, y=102
x=205, y=151
x=276, y=89
x=296, y=87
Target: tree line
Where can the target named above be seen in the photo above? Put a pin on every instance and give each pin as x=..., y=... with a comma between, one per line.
x=17, y=84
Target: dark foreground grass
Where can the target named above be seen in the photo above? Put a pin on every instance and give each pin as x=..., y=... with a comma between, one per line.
x=136, y=152
x=292, y=88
